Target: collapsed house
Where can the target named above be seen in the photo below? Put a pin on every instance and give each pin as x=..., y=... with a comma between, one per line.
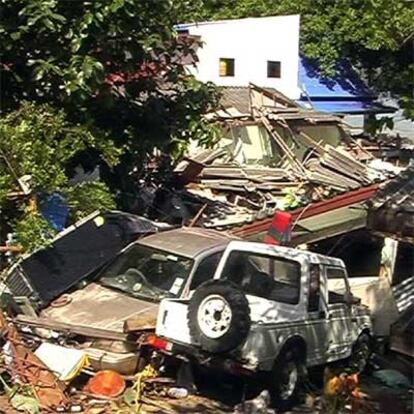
x=276, y=156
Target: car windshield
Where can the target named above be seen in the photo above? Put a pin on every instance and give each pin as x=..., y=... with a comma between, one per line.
x=147, y=273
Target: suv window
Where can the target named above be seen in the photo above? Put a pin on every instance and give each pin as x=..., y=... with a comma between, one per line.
x=337, y=284
x=205, y=270
x=264, y=276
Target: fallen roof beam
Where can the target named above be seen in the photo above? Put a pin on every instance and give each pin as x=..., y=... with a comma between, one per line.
x=343, y=200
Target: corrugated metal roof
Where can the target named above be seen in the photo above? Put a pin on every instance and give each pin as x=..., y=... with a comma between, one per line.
x=346, y=84
x=345, y=93
x=346, y=107
x=392, y=210
x=398, y=192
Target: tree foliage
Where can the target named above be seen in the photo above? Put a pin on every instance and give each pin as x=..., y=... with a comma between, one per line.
x=38, y=149
x=104, y=83
x=375, y=35
x=116, y=66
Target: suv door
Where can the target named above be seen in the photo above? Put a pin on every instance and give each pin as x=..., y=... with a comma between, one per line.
x=339, y=314
x=316, y=308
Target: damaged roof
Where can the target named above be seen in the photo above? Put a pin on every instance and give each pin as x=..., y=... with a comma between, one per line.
x=239, y=97
x=278, y=157
x=392, y=210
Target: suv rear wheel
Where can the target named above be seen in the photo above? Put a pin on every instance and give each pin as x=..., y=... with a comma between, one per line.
x=218, y=316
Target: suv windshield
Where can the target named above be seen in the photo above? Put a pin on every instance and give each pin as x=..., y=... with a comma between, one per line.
x=147, y=273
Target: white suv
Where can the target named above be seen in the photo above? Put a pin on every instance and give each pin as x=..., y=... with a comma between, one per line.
x=268, y=310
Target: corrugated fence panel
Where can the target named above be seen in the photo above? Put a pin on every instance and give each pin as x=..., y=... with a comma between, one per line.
x=404, y=294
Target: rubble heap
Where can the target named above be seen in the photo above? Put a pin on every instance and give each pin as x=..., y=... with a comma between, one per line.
x=293, y=168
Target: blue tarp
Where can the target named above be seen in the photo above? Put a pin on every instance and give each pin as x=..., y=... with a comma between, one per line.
x=343, y=93
x=346, y=83
x=346, y=107
x=54, y=209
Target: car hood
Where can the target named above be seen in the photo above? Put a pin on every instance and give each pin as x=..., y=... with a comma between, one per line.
x=97, y=306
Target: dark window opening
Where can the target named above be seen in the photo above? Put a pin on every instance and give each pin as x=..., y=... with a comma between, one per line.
x=205, y=270
x=271, y=278
x=273, y=69
x=360, y=250
x=226, y=67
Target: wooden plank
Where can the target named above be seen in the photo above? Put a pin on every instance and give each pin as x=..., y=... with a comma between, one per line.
x=70, y=328
x=285, y=148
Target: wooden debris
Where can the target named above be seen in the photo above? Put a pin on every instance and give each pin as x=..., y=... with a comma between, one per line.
x=29, y=369
x=70, y=328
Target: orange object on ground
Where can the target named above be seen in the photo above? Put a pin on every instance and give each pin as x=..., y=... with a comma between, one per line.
x=106, y=383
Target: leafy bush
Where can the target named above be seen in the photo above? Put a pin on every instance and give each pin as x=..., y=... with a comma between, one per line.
x=38, y=149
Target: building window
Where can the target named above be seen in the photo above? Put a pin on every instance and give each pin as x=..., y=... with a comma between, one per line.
x=226, y=67
x=273, y=69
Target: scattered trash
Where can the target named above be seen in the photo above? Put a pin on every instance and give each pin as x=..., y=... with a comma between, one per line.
x=342, y=393
x=21, y=398
x=177, y=392
x=132, y=395
x=25, y=366
x=65, y=362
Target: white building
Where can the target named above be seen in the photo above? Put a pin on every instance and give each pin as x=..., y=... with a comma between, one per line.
x=263, y=51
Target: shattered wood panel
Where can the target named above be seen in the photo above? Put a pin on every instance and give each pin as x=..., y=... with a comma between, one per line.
x=29, y=369
x=269, y=97
x=243, y=172
x=313, y=209
x=259, y=189
x=143, y=321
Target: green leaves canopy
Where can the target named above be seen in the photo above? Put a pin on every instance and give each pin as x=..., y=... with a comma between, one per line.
x=112, y=65
x=39, y=143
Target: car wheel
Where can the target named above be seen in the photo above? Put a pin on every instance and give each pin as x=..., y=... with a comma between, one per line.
x=218, y=316
x=361, y=352
x=286, y=378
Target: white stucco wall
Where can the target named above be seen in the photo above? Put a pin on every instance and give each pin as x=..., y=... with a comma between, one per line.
x=251, y=42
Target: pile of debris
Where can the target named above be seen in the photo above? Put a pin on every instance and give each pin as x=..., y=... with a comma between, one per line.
x=269, y=161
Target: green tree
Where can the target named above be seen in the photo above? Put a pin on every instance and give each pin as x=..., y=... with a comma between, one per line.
x=38, y=149
x=376, y=36
x=112, y=65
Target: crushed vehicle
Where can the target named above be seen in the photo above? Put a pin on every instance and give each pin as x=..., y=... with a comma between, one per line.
x=107, y=313
x=269, y=311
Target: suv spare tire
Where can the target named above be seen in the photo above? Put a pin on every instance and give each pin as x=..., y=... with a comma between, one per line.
x=218, y=316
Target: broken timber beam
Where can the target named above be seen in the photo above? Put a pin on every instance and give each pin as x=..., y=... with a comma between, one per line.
x=279, y=140
x=70, y=328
